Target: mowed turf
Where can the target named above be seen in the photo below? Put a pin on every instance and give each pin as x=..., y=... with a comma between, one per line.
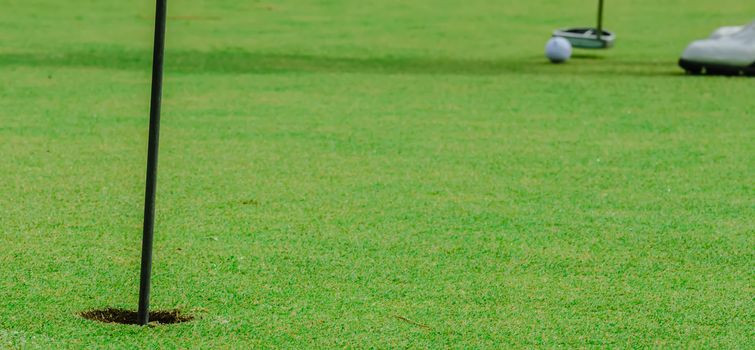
x=391, y=174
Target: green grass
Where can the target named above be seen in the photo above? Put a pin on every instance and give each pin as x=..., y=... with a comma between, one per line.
x=390, y=174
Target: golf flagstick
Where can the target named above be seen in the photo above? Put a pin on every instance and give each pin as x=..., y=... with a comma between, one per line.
x=154, y=133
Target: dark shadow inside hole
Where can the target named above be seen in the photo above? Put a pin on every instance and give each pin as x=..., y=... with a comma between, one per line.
x=122, y=316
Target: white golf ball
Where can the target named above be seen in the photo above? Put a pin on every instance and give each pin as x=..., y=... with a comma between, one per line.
x=558, y=49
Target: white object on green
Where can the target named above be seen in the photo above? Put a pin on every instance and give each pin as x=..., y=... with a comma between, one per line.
x=558, y=50
x=736, y=49
x=725, y=31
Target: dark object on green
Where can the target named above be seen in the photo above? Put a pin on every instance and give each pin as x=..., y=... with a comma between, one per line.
x=589, y=38
x=112, y=315
x=154, y=135
x=697, y=68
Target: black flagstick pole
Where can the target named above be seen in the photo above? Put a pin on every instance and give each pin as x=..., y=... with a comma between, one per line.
x=154, y=133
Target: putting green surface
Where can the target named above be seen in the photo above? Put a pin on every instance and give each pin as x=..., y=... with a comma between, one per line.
x=390, y=174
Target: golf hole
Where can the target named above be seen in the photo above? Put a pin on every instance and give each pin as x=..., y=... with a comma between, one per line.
x=122, y=316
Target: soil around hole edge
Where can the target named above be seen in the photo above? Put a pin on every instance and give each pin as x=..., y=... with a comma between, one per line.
x=123, y=316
